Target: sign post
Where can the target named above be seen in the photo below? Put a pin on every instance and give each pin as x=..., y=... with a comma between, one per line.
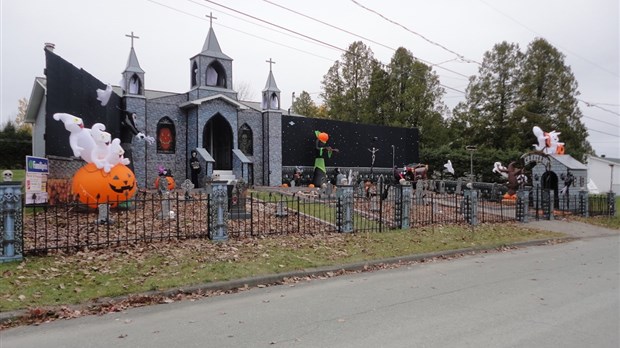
x=37, y=169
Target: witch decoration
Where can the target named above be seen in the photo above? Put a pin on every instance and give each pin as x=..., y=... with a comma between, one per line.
x=320, y=171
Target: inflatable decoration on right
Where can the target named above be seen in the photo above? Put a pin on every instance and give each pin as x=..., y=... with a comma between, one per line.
x=548, y=143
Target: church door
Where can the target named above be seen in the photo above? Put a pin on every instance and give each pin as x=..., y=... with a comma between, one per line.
x=549, y=181
x=218, y=141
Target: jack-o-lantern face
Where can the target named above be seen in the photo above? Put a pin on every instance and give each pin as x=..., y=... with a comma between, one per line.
x=94, y=186
x=165, y=138
x=169, y=179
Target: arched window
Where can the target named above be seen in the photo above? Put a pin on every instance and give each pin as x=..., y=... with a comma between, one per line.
x=135, y=85
x=166, y=136
x=274, y=103
x=246, y=141
x=194, y=74
x=216, y=75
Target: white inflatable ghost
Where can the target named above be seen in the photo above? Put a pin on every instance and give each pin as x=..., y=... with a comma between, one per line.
x=449, y=167
x=115, y=155
x=102, y=141
x=80, y=139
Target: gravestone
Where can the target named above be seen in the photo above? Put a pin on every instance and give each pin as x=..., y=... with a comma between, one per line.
x=238, y=199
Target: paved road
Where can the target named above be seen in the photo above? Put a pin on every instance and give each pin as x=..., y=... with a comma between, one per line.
x=564, y=295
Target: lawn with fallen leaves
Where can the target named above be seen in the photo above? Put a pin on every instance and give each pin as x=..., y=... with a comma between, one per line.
x=101, y=280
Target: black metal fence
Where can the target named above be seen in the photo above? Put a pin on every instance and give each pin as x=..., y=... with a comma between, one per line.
x=148, y=217
x=279, y=211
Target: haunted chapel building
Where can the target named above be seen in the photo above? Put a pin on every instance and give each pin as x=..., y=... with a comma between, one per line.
x=230, y=139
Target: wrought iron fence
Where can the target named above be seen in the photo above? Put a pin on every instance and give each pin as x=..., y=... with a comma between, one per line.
x=148, y=217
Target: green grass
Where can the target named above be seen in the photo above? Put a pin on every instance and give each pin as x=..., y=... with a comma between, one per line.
x=313, y=208
x=62, y=280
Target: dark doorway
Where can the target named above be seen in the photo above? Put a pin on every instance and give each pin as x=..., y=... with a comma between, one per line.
x=549, y=181
x=218, y=141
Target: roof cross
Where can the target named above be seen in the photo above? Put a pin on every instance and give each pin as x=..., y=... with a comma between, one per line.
x=132, y=36
x=270, y=63
x=211, y=18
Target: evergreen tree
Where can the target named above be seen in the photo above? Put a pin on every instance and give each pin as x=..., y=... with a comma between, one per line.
x=549, y=94
x=415, y=95
x=486, y=116
x=376, y=106
x=304, y=105
x=346, y=84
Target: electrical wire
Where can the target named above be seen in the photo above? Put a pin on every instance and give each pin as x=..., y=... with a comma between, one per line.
x=458, y=55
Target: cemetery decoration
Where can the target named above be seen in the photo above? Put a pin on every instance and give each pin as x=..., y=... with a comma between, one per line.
x=548, y=143
x=194, y=166
x=516, y=178
x=104, y=95
x=165, y=175
x=320, y=172
x=448, y=167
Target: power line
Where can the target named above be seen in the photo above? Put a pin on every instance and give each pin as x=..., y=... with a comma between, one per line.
x=609, y=123
x=598, y=131
x=306, y=36
x=438, y=65
x=460, y=56
x=277, y=26
x=534, y=32
x=598, y=106
x=237, y=30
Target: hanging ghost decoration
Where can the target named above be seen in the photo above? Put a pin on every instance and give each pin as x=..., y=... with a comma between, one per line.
x=104, y=95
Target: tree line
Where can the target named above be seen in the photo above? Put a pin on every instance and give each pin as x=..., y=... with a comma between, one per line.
x=16, y=140
x=513, y=91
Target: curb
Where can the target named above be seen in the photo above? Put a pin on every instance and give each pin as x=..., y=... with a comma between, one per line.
x=252, y=282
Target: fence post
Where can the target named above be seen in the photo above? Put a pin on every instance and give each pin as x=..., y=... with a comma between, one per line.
x=12, y=229
x=584, y=209
x=471, y=206
x=611, y=201
x=218, y=221
x=522, y=205
x=402, y=205
x=344, y=208
x=546, y=204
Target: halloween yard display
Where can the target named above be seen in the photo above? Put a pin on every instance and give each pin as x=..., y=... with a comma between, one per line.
x=105, y=179
x=548, y=143
x=320, y=172
x=516, y=178
x=93, y=186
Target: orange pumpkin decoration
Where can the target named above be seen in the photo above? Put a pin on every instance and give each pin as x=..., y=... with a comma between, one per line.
x=323, y=137
x=311, y=185
x=171, y=183
x=94, y=186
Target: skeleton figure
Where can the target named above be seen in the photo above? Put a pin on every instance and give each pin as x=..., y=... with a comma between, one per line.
x=8, y=175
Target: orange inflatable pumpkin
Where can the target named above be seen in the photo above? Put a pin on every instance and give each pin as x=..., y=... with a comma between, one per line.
x=171, y=184
x=94, y=186
x=323, y=137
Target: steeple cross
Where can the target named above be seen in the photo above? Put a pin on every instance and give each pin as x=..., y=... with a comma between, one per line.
x=132, y=36
x=211, y=18
x=270, y=62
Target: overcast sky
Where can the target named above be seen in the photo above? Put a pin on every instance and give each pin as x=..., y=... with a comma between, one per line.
x=451, y=34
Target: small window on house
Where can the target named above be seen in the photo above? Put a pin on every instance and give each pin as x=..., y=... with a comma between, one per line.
x=246, y=142
x=166, y=136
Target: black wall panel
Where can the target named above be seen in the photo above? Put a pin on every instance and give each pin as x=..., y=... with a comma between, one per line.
x=354, y=142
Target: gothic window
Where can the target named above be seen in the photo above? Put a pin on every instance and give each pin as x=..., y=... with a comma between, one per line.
x=166, y=136
x=246, y=142
x=216, y=75
x=274, y=103
x=134, y=84
x=194, y=73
